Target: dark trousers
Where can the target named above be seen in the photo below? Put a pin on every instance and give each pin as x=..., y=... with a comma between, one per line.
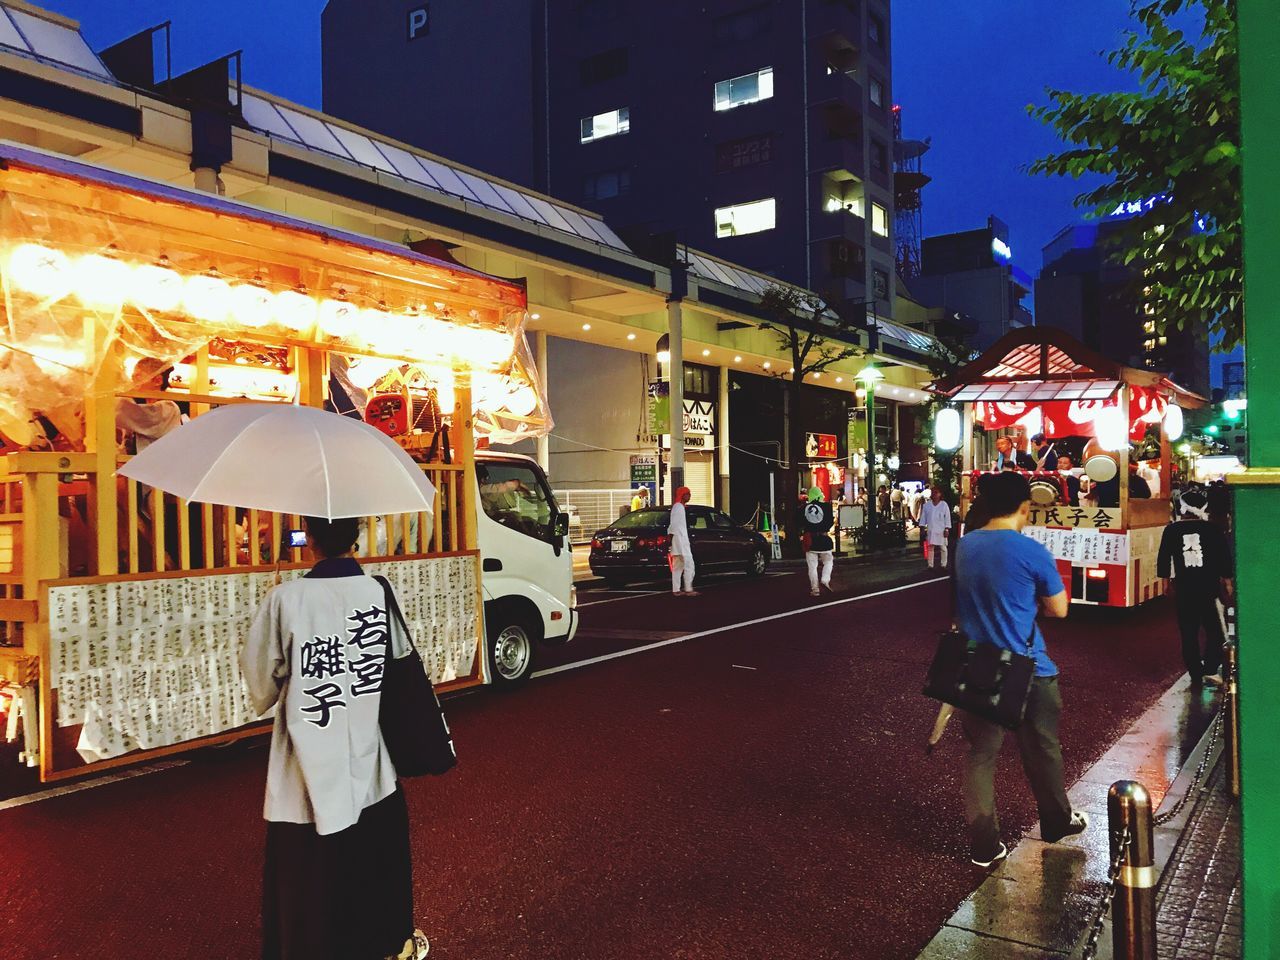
x=1197, y=609
x=1041, y=760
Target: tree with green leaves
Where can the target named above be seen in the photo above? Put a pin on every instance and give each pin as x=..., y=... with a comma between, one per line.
x=814, y=337
x=1169, y=153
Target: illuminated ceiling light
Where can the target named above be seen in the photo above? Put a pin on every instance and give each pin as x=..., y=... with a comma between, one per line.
x=100, y=282
x=817, y=376
x=737, y=359
x=207, y=298
x=295, y=310
x=839, y=379
x=706, y=353
x=792, y=370
x=535, y=316
x=338, y=318
x=631, y=336
x=766, y=364
x=251, y=305
x=586, y=326
x=41, y=271
x=664, y=348
x=157, y=288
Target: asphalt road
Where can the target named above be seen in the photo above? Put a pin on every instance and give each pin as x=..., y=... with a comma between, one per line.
x=750, y=784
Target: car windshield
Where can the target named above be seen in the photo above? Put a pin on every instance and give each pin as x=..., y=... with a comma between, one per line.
x=642, y=518
x=514, y=494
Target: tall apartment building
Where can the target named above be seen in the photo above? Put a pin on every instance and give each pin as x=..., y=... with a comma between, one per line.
x=1086, y=289
x=972, y=272
x=757, y=130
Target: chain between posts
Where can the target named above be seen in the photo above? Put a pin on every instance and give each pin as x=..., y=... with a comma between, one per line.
x=1104, y=908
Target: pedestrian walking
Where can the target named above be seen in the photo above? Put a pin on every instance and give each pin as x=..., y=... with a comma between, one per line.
x=1194, y=550
x=681, y=557
x=895, y=502
x=338, y=881
x=1003, y=579
x=935, y=524
x=815, y=521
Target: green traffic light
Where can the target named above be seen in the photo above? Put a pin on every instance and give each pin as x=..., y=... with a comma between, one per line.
x=1211, y=428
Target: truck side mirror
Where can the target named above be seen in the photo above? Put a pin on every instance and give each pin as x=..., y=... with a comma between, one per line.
x=562, y=524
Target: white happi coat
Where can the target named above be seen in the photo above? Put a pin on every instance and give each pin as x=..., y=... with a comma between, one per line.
x=679, y=531
x=316, y=650
x=936, y=520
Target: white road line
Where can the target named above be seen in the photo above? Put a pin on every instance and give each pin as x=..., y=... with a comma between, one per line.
x=101, y=781
x=732, y=626
x=632, y=594
x=739, y=666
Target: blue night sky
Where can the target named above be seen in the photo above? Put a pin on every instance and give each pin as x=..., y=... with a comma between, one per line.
x=963, y=73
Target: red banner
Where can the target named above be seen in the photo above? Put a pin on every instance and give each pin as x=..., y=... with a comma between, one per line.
x=1072, y=418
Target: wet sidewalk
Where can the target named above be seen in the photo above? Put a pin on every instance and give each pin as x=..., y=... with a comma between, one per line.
x=1041, y=900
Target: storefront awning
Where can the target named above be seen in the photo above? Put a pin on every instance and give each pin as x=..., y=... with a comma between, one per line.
x=1038, y=391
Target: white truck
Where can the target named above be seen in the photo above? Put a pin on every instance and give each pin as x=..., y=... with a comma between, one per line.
x=526, y=564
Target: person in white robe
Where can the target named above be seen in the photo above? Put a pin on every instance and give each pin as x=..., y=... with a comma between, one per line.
x=681, y=547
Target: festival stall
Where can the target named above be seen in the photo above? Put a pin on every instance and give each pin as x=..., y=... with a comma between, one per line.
x=129, y=305
x=1101, y=525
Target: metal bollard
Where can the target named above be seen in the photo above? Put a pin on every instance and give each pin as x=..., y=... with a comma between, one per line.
x=1133, y=914
x=1231, y=704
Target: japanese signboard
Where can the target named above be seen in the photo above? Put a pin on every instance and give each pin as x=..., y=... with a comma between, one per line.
x=746, y=152
x=644, y=473
x=699, y=417
x=1103, y=518
x=820, y=446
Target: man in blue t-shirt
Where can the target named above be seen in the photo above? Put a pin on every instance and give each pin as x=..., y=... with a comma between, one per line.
x=1003, y=579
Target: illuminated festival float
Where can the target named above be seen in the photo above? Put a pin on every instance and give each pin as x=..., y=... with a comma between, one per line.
x=125, y=301
x=1103, y=515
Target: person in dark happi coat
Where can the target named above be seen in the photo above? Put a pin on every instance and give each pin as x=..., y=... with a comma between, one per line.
x=338, y=882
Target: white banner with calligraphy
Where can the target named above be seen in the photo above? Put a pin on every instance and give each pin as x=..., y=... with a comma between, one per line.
x=1083, y=547
x=149, y=663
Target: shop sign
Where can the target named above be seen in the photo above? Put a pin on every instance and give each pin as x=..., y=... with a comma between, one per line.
x=419, y=22
x=659, y=407
x=857, y=429
x=644, y=468
x=747, y=152
x=820, y=446
x=699, y=417
x=1102, y=518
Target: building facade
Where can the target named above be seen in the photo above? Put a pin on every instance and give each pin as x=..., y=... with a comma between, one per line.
x=1085, y=289
x=761, y=133
x=972, y=273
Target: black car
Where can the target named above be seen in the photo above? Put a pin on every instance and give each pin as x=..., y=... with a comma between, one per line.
x=635, y=546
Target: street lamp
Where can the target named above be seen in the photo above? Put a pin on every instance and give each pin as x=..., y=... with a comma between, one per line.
x=664, y=349
x=868, y=377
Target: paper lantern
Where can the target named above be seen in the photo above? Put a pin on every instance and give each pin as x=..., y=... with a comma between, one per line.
x=101, y=283
x=40, y=271
x=947, y=429
x=1173, y=425
x=207, y=298
x=1110, y=429
x=251, y=305
x=157, y=289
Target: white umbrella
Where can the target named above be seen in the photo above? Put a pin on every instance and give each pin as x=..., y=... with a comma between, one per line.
x=286, y=459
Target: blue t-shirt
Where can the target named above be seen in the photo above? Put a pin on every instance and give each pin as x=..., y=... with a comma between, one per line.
x=1000, y=577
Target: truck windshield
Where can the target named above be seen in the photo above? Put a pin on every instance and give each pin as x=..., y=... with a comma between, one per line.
x=515, y=495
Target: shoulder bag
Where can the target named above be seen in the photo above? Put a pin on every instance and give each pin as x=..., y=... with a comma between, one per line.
x=412, y=722
x=981, y=678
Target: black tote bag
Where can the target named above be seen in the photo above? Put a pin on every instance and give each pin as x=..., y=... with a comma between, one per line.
x=981, y=678
x=412, y=722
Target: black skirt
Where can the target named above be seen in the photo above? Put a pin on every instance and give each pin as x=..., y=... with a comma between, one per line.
x=343, y=896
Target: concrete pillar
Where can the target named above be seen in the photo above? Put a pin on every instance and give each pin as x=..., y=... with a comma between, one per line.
x=206, y=180
x=675, y=330
x=722, y=441
x=544, y=443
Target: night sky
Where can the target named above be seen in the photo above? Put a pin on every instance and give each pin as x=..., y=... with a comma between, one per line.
x=963, y=74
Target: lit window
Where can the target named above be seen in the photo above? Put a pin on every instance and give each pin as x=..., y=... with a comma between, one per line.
x=603, y=125
x=1148, y=345
x=1149, y=327
x=1163, y=341
x=876, y=91
x=750, y=88
x=879, y=220
x=744, y=218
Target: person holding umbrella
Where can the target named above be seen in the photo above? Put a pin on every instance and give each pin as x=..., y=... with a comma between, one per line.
x=338, y=872
x=681, y=558
x=337, y=824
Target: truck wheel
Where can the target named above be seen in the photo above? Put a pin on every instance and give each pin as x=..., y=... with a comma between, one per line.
x=758, y=563
x=511, y=653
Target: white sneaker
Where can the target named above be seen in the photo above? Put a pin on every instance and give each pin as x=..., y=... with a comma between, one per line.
x=420, y=945
x=1000, y=855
